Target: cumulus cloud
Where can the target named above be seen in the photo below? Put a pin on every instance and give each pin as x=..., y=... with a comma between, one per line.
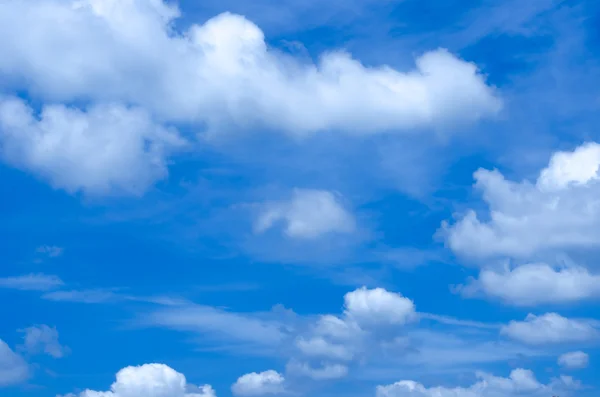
x=324, y=372
x=31, y=282
x=307, y=215
x=378, y=306
x=222, y=72
x=106, y=149
x=560, y=211
x=318, y=346
x=535, y=284
x=574, y=360
x=521, y=382
x=549, y=328
x=43, y=339
x=156, y=380
x=256, y=384
x=13, y=369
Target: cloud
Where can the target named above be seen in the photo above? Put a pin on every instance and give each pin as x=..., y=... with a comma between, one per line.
x=549, y=328
x=84, y=296
x=13, y=369
x=50, y=251
x=256, y=384
x=521, y=382
x=219, y=324
x=103, y=150
x=574, y=360
x=31, y=282
x=378, y=306
x=560, y=211
x=325, y=372
x=320, y=347
x=222, y=73
x=535, y=284
x=156, y=380
x=42, y=338
x=307, y=215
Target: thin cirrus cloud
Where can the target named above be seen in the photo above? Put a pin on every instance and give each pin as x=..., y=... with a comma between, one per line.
x=31, y=282
x=220, y=75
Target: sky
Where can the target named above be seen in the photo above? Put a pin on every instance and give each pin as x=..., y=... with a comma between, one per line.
x=391, y=198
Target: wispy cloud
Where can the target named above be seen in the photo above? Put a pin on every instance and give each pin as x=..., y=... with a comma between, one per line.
x=32, y=282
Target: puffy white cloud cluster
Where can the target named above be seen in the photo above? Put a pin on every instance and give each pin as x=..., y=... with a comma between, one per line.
x=308, y=214
x=333, y=341
x=531, y=224
x=130, y=73
x=256, y=384
x=152, y=380
x=550, y=328
x=521, y=382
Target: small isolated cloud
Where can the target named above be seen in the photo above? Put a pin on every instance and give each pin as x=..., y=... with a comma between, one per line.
x=51, y=251
x=377, y=306
x=31, y=282
x=257, y=384
x=106, y=149
x=549, y=328
x=307, y=214
x=559, y=211
x=535, y=284
x=43, y=339
x=156, y=380
x=521, y=382
x=13, y=368
x=323, y=372
x=574, y=360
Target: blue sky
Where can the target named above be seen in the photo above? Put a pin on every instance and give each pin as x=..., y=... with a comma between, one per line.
x=390, y=198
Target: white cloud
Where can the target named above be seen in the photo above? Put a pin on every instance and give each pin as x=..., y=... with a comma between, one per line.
x=521, y=382
x=307, y=215
x=574, y=360
x=52, y=251
x=325, y=372
x=219, y=324
x=31, y=282
x=535, y=284
x=320, y=347
x=256, y=384
x=549, y=328
x=378, y=306
x=106, y=149
x=13, y=369
x=559, y=212
x=84, y=296
x=42, y=338
x=156, y=380
x=222, y=73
